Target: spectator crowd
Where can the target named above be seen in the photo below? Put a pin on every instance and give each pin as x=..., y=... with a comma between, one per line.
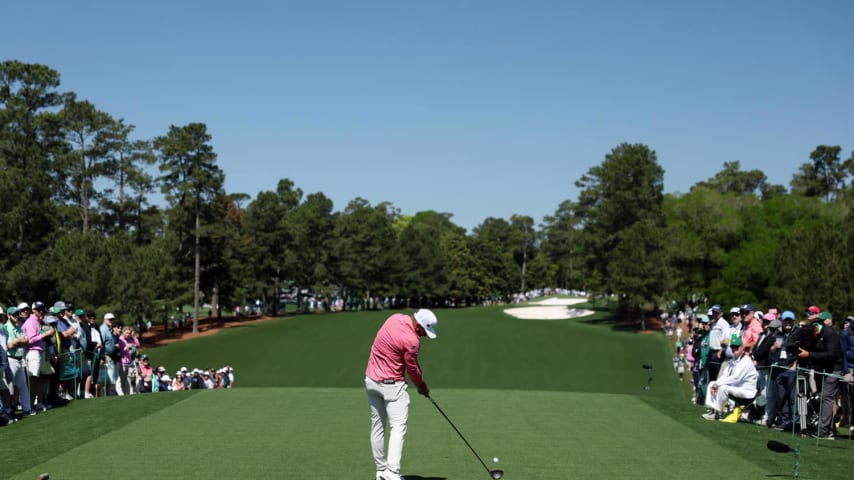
x=784, y=371
x=51, y=356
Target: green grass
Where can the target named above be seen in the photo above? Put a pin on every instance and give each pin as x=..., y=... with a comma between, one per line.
x=476, y=348
x=551, y=399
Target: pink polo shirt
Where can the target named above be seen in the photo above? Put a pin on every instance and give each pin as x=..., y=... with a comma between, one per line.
x=753, y=332
x=395, y=348
x=33, y=330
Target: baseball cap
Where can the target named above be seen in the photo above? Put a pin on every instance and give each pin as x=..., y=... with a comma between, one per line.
x=704, y=319
x=11, y=310
x=716, y=308
x=775, y=324
x=50, y=319
x=109, y=316
x=734, y=310
x=60, y=305
x=788, y=315
x=38, y=306
x=825, y=316
x=23, y=306
x=79, y=312
x=143, y=357
x=770, y=317
x=428, y=321
x=748, y=307
x=161, y=369
x=813, y=309
x=56, y=310
x=736, y=341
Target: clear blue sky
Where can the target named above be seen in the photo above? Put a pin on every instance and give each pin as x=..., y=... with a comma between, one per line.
x=478, y=108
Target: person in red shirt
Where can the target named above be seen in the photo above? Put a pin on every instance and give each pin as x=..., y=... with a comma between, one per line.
x=143, y=375
x=395, y=351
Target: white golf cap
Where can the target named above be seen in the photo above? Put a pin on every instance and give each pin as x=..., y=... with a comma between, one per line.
x=428, y=321
x=109, y=316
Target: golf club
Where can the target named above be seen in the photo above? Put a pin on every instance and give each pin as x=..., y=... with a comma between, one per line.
x=494, y=474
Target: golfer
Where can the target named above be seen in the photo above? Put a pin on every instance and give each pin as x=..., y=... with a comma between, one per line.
x=395, y=349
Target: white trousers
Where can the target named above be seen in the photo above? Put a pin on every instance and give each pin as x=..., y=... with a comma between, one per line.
x=389, y=403
x=19, y=382
x=716, y=402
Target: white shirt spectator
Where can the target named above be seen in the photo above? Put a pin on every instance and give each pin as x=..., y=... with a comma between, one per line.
x=719, y=331
x=738, y=379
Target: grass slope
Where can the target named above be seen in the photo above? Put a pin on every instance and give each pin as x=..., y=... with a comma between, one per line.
x=476, y=348
x=551, y=399
x=322, y=433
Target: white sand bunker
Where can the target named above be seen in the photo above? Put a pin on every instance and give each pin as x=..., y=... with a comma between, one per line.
x=550, y=309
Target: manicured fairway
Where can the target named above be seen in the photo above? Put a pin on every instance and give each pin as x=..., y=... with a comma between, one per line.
x=550, y=399
x=322, y=433
x=476, y=348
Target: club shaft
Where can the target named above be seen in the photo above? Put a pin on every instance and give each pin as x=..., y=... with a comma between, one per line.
x=460, y=434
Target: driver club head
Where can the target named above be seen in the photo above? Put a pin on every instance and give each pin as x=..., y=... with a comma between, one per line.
x=496, y=474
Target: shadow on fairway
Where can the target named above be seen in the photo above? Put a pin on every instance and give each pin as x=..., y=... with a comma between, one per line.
x=419, y=477
x=612, y=320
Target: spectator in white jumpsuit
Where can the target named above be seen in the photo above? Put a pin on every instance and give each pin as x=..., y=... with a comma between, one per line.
x=737, y=379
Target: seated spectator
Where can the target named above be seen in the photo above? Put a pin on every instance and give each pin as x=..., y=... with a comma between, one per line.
x=158, y=377
x=165, y=383
x=206, y=379
x=196, y=382
x=144, y=374
x=185, y=374
x=178, y=382
x=737, y=379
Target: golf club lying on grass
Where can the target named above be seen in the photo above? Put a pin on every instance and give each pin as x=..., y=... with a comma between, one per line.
x=495, y=474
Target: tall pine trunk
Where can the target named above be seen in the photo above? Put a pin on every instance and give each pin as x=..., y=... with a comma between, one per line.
x=84, y=194
x=196, y=275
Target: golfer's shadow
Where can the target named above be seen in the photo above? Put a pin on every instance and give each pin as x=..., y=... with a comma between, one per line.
x=419, y=477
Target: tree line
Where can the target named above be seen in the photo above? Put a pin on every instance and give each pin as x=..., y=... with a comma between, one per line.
x=77, y=222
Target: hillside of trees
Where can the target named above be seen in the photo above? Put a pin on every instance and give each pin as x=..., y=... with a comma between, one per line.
x=77, y=223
